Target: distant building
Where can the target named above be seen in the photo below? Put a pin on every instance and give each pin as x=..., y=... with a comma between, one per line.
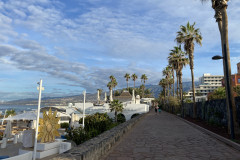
x=124, y=97
x=208, y=83
x=235, y=77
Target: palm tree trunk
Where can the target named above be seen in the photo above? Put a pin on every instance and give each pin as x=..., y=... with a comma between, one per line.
x=181, y=91
x=127, y=85
x=115, y=116
x=194, y=103
x=230, y=97
x=173, y=82
x=177, y=83
x=193, y=85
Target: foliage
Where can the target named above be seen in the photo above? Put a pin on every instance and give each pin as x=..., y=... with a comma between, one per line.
x=173, y=101
x=121, y=118
x=134, y=115
x=237, y=90
x=188, y=100
x=78, y=135
x=64, y=125
x=218, y=93
x=94, y=125
x=117, y=93
x=116, y=106
x=97, y=121
x=10, y=112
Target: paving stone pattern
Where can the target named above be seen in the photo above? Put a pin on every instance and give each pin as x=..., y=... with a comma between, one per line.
x=163, y=136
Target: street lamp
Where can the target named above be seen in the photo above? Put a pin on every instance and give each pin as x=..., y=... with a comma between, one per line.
x=84, y=98
x=217, y=57
x=40, y=88
x=229, y=94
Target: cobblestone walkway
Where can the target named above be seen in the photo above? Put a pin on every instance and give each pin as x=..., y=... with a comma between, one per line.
x=165, y=137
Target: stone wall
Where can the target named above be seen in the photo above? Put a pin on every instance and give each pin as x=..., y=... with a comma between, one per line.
x=214, y=111
x=98, y=146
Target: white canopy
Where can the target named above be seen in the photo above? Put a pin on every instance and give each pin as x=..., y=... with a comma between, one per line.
x=24, y=116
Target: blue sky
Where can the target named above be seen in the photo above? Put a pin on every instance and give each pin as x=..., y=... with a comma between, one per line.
x=76, y=45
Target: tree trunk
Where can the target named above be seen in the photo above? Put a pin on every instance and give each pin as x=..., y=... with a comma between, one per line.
x=177, y=83
x=181, y=91
x=229, y=91
x=127, y=85
x=173, y=82
x=115, y=116
x=194, y=103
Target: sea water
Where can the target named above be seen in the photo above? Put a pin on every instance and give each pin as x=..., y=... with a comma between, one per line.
x=17, y=108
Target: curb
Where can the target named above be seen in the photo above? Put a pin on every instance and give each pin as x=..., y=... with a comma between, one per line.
x=214, y=135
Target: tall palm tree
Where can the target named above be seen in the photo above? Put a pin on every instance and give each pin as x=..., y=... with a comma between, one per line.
x=112, y=77
x=167, y=73
x=163, y=84
x=220, y=8
x=116, y=106
x=134, y=78
x=143, y=79
x=173, y=60
x=127, y=76
x=188, y=36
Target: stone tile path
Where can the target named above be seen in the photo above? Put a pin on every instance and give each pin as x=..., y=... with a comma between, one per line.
x=165, y=137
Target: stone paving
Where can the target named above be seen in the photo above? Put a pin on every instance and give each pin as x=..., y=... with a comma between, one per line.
x=165, y=137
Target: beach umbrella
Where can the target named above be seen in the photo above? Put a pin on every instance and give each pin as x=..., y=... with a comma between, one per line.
x=8, y=130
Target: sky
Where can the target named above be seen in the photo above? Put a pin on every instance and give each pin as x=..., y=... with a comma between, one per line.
x=75, y=45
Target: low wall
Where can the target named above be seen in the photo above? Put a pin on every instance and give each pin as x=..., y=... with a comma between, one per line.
x=214, y=111
x=98, y=146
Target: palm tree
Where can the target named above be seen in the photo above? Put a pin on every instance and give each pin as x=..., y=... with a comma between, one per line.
x=114, y=83
x=134, y=78
x=167, y=73
x=173, y=60
x=220, y=8
x=163, y=84
x=143, y=79
x=127, y=76
x=112, y=77
x=188, y=36
x=116, y=106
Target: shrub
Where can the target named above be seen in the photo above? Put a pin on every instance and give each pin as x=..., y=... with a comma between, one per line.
x=134, y=115
x=121, y=118
x=97, y=121
x=64, y=125
x=78, y=135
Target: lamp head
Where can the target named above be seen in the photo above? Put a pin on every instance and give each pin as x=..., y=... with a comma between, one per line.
x=217, y=57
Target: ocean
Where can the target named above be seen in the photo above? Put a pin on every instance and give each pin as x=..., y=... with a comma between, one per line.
x=18, y=108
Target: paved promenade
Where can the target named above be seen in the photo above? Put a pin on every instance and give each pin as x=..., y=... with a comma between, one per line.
x=165, y=137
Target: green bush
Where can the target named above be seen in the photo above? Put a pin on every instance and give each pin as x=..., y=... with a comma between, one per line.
x=97, y=123
x=64, y=125
x=134, y=115
x=94, y=125
x=121, y=118
x=78, y=135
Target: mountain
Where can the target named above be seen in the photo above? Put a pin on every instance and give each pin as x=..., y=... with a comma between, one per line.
x=48, y=101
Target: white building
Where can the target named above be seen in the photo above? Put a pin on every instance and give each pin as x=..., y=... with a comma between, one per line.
x=208, y=83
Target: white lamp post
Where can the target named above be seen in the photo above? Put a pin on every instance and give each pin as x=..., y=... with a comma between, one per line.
x=40, y=88
x=84, y=98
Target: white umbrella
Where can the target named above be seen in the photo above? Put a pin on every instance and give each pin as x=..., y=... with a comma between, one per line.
x=24, y=116
x=8, y=130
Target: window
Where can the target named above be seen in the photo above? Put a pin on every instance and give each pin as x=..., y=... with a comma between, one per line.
x=238, y=80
